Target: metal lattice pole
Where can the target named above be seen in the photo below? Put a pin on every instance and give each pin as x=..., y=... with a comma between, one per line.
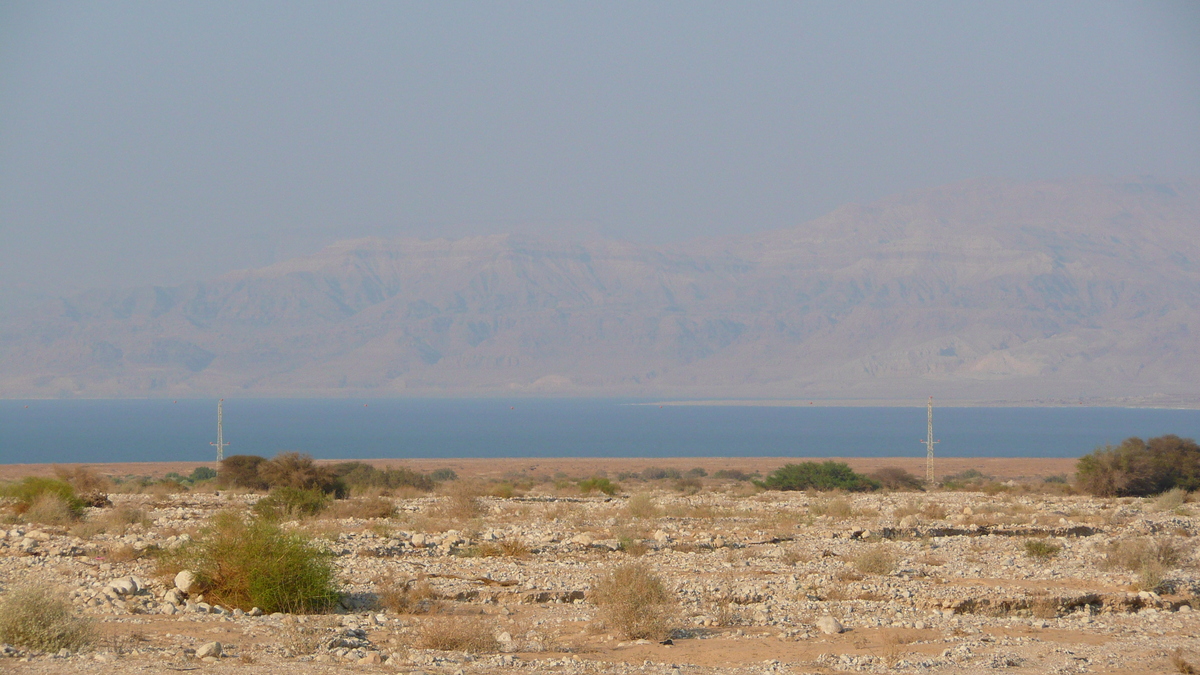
x=929, y=442
x=220, y=434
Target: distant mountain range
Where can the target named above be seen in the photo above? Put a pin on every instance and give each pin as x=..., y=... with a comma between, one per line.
x=982, y=289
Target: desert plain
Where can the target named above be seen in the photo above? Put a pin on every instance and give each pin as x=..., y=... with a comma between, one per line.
x=498, y=571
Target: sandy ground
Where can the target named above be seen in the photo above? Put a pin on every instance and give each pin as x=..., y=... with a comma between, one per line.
x=1003, y=468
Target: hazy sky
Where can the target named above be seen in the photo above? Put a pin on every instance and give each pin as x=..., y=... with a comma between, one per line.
x=163, y=142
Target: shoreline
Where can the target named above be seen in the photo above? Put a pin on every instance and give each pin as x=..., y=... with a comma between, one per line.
x=490, y=468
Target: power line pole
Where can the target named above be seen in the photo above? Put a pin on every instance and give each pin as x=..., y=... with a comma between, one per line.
x=220, y=434
x=929, y=442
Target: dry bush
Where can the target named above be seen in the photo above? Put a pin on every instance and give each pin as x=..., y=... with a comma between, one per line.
x=409, y=596
x=895, y=478
x=636, y=602
x=300, y=639
x=1181, y=665
x=35, y=617
x=514, y=548
x=458, y=633
x=875, y=560
x=462, y=501
x=1170, y=500
x=84, y=479
x=122, y=554
x=1133, y=554
x=893, y=646
x=1150, y=558
x=642, y=505
x=365, y=508
x=834, y=508
x=50, y=509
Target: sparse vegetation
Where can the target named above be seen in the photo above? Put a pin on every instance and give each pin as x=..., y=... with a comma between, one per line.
x=875, y=560
x=36, y=617
x=247, y=563
x=1041, y=549
x=598, y=484
x=817, y=476
x=408, y=596
x=642, y=505
x=360, y=476
x=636, y=602
x=471, y=634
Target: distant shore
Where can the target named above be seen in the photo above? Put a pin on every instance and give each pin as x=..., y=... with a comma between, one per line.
x=1000, y=467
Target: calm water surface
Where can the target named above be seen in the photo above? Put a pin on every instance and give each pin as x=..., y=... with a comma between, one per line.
x=127, y=430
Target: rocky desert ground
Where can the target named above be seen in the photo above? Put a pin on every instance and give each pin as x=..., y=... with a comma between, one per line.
x=1015, y=576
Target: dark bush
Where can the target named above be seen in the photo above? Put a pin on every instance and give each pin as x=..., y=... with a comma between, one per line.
x=359, y=476
x=896, y=478
x=442, y=475
x=731, y=474
x=696, y=472
x=201, y=473
x=658, y=473
x=817, y=476
x=298, y=470
x=1137, y=468
x=241, y=471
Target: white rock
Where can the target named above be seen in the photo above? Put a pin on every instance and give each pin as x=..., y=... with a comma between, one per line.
x=185, y=580
x=829, y=625
x=209, y=649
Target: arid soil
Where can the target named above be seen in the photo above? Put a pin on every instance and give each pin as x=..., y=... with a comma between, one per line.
x=1020, y=578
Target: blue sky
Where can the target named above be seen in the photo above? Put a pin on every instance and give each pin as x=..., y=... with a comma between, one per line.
x=165, y=142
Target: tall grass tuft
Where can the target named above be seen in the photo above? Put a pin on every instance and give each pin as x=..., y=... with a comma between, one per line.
x=35, y=617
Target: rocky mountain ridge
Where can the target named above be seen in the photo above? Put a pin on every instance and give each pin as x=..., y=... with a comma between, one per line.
x=982, y=289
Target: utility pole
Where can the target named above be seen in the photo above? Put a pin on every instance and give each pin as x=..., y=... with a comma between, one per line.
x=929, y=442
x=220, y=435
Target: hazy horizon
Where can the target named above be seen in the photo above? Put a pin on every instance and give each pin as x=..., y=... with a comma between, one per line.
x=158, y=144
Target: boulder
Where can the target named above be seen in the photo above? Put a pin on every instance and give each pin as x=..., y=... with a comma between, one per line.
x=185, y=580
x=208, y=649
x=829, y=625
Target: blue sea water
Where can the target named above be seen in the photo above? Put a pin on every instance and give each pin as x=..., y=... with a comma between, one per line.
x=152, y=430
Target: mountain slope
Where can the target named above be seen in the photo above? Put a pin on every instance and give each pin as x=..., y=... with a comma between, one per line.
x=979, y=289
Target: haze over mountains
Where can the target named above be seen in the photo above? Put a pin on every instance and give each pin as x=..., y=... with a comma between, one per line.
x=982, y=289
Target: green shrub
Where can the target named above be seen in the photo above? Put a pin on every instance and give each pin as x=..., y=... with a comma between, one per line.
x=241, y=471
x=817, y=476
x=731, y=474
x=696, y=472
x=32, y=488
x=1041, y=549
x=658, y=473
x=442, y=475
x=636, y=602
x=1137, y=468
x=34, y=617
x=254, y=563
x=290, y=502
x=600, y=484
